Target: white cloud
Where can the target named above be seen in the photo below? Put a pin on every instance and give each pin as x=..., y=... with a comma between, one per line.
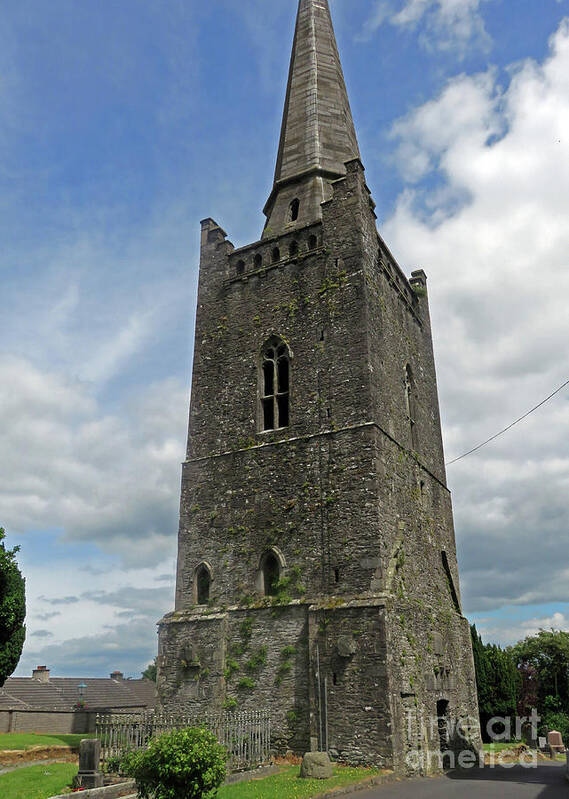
x=465, y=116
x=105, y=618
x=497, y=255
x=109, y=479
x=443, y=24
x=128, y=647
x=508, y=630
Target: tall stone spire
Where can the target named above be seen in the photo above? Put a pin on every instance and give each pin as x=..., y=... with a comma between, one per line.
x=318, y=134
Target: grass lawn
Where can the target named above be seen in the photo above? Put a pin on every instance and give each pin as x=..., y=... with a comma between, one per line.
x=288, y=784
x=27, y=740
x=37, y=782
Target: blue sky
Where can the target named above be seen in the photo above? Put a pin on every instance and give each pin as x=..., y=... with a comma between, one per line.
x=124, y=124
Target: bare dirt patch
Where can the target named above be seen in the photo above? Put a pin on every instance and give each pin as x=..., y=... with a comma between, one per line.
x=61, y=754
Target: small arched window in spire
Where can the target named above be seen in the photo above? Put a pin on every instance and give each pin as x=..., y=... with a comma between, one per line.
x=202, y=584
x=258, y=261
x=276, y=255
x=271, y=571
x=275, y=386
x=293, y=249
x=410, y=398
x=240, y=267
x=312, y=242
x=294, y=210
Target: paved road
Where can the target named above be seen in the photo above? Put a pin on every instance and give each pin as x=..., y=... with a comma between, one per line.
x=543, y=782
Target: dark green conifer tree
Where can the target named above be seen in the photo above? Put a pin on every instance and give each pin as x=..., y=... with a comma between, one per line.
x=497, y=680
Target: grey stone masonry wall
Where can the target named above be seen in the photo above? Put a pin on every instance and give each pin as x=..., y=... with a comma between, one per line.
x=361, y=518
x=47, y=721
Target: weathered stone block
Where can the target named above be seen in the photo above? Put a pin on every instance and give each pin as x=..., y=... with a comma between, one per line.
x=316, y=766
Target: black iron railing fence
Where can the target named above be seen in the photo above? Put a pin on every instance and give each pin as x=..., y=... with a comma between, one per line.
x=246, y=736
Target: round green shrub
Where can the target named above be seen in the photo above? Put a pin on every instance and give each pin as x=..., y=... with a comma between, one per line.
x=185, y=764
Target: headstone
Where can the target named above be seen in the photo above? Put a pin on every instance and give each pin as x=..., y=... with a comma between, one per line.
x=316, y=766
x=89, y=757
x=542, y=742
x=555, y=741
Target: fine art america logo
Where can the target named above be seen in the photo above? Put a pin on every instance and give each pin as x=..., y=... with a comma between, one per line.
x=457, y=750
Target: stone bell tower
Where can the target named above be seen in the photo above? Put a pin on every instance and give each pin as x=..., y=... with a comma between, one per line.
x=317, y=572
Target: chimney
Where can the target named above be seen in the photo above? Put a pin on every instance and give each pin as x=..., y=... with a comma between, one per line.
x=41, y=673
x=117, y=675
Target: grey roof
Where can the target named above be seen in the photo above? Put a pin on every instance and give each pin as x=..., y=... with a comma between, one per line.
x=33, y=693
x=62, y=693
x=10, y=702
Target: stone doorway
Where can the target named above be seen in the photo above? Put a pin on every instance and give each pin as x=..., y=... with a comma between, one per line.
x=443, y=732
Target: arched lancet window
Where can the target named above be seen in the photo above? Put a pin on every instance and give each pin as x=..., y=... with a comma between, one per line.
x=258, y=261
x=271, y=571
x=294, y=210
x=293, y=249
x=312, y=243
x=275, y=386
x=411, y=406
x=202, y=584
x=276, y=255
x=240, y=267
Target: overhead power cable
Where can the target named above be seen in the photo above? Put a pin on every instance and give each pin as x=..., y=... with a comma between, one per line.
x=509, y=427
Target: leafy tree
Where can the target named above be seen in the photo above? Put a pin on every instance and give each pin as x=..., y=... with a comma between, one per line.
x=554, y=718
x=12, y=610
x=185, y=764
x=529, y=689
x=150, y=671
x=547, y=654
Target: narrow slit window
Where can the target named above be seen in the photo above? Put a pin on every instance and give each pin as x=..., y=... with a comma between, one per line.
x=312, y=243
x=203, y=583
x=275, y=382
x=293, y=249
x=240, y=267
x=271, y=574
x=258, y=261
x=294, y=210
x=450, y=582
x=410, y=397
x=276, y=255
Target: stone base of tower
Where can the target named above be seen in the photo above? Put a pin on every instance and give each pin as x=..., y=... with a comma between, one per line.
x=364, y=679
